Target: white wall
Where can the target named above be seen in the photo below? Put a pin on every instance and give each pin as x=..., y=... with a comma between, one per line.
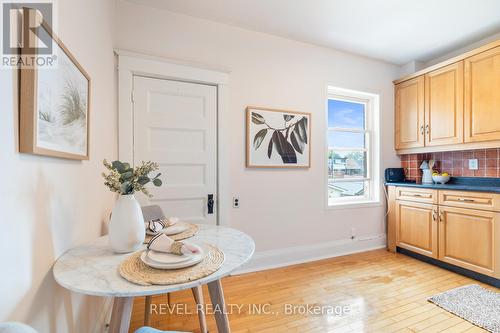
x=415, y=66
x=462, y=50
x=280, y=209
x=49, y=205
x=410, y=68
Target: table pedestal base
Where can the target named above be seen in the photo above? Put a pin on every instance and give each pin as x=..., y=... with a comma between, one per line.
x=122, y=310
x=217, y=298
x=120, y=316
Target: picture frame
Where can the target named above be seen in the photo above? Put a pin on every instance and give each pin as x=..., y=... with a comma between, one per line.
x=54, y=103
x=277, y=138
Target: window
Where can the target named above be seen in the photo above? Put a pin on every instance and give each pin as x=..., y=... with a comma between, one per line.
x=352, y=156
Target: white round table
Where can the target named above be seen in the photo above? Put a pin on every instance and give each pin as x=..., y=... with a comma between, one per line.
x=92, y=269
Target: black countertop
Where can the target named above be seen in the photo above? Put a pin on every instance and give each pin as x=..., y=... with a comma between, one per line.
x=480, y=184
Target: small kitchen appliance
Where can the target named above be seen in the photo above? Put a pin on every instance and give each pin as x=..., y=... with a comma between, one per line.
x=395, y=175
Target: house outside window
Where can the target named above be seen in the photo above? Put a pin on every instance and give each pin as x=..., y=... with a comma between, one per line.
x=353, y=148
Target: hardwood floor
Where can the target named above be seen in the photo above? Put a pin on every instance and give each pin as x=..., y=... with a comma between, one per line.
x=382, y=292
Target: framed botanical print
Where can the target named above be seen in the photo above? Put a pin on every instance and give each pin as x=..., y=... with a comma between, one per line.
x=277, y=138
x=54, y=104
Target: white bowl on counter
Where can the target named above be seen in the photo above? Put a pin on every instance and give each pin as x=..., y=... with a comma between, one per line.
x=440, y=179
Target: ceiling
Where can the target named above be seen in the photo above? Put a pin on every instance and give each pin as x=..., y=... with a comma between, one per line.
x=396, y=31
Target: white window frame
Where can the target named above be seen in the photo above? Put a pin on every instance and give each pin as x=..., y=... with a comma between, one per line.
x=372, y=148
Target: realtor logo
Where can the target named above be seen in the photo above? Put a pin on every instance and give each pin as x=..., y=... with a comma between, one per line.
x=34, y=39
x=26, y=29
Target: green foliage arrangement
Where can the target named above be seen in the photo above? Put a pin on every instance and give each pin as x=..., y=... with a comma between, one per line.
x=124, y=179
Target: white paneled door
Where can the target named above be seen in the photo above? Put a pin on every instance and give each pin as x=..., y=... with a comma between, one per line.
x=175, y=124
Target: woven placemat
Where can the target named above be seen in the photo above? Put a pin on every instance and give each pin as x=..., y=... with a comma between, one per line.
x=193, y=229
x=135, y=271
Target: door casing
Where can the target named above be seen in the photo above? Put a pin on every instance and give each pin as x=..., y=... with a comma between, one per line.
x=130, y=64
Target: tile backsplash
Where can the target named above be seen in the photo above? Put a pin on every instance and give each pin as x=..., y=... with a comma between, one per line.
x=456, y=163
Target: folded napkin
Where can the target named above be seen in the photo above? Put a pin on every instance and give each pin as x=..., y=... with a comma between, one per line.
x=154, y=226
x=163, y=243
x=155, y=220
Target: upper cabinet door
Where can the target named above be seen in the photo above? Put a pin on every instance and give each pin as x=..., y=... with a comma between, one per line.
x=410, y=113
x=444, y=112
x=482, y=96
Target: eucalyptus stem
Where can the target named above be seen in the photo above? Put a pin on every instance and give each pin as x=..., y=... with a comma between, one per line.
x=281, y=129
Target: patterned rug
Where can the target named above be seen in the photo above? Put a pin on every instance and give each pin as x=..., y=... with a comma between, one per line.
x=473, y=303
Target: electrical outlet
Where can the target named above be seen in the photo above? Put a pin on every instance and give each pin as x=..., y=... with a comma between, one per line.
x=473, y=165
x=236, y=202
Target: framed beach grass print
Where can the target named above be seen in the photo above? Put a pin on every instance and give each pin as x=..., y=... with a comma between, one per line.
x=277, y=138
x=54, y=105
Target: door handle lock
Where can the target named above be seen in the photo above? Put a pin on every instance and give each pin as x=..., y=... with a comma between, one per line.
x=210, y=203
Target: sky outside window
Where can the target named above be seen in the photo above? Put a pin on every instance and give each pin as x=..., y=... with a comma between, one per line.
x=349, y=115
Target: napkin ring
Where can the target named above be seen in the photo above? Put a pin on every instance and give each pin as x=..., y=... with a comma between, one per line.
x=176, y=248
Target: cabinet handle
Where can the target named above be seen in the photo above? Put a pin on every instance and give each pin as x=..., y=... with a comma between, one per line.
x=434, y=215
x=420, y=195
x=422, y=129
x=441, y=216
x=466, y=200
x=427, y=128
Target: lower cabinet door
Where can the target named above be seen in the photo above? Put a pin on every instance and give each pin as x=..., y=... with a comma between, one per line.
x=467, y=239
x=416, y=227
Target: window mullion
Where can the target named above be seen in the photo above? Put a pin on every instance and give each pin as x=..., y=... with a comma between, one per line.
x=334, y=149
x=348, y=130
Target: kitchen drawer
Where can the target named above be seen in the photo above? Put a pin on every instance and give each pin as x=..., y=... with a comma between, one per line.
x=424, y=195
x=473, y=200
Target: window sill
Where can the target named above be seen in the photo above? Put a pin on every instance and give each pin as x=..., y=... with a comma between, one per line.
x=354, y=204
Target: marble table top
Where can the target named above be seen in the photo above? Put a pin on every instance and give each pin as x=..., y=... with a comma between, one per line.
x=92, y=269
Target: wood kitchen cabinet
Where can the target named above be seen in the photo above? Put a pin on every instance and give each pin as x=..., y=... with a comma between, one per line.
x=444, y=111
x=482, y=97
x=461, y=228
x=410, y=113
x=467, y=238
x=416, y=227
x=453, y=105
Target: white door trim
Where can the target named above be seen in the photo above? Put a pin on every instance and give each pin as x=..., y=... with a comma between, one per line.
x=130, y=64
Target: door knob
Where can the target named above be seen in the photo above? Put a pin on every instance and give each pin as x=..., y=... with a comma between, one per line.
x=210, y=204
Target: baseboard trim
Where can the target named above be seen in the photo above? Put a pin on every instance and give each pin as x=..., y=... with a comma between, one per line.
x=459, y=270
x=306, y=253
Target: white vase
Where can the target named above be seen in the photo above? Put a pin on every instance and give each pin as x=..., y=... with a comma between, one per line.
x=126, y=228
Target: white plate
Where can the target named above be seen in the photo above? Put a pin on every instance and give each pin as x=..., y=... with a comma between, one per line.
x=166, y=258
x=195, y=259
x=169, y=258
x=176, y=229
